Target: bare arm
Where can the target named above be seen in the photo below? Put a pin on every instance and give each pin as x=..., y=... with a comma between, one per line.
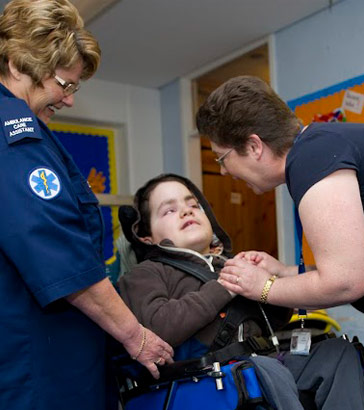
x=101, y=303
x=333, y=221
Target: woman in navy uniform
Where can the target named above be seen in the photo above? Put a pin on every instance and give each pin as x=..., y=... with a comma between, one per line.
x=56, y=301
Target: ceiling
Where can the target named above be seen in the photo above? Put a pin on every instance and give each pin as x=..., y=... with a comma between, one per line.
x=150, y=43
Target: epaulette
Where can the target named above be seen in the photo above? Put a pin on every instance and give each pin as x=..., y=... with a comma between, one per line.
x=17, y=121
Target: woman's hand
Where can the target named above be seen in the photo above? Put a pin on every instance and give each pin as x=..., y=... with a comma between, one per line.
x=150, y=350
x=232, y=294
x=103, y=305
x=244, y=278
x=267, y=262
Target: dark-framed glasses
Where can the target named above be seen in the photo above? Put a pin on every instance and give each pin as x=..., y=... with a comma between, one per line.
x=68, y=88
x=221, y=158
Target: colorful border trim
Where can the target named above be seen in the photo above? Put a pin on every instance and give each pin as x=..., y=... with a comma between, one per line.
x=110, y=135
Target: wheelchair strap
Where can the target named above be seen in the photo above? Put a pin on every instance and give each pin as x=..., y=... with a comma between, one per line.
x=199, y=272
x=189, y=368
x=238, y=311
x=259, y=345
x=301, y=266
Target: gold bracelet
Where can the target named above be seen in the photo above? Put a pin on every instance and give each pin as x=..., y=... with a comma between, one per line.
x=142, y=344
x=266, y=288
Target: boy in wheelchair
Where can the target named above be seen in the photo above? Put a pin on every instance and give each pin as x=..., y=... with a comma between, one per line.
x=174, y=290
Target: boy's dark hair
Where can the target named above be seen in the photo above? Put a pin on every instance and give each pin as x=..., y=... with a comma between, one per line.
x=135, y=220
x=141, y=200
x=243, y=106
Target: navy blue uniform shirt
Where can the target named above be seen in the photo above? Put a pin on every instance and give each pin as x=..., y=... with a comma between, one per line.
x=320, y=150
x=51, y=234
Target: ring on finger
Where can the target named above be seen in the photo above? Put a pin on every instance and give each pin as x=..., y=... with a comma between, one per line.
x=158, y=361
x=237, y=280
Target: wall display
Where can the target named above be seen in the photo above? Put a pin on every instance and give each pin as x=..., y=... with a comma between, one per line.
x=342, y=102
x=93, y=150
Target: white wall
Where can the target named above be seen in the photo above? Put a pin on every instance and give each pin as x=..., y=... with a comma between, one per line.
x=173, y=152
x=135, y=111
x=181, y=142
x=321, y=50
x=145, y=136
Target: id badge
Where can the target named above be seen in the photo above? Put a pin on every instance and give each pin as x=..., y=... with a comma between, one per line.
x=300, y=342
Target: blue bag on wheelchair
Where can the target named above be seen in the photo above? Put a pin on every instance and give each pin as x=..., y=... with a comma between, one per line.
x=245, y=381
x=234, y=386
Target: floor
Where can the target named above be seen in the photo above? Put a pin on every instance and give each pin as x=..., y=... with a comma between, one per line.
x=350, y=320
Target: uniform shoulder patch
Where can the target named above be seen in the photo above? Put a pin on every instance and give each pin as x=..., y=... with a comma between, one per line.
x=44, y=183
x=18, y=121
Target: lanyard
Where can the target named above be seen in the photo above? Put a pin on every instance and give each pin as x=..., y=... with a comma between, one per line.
x=302, y=313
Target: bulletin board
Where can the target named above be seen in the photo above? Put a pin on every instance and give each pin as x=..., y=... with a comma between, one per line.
x=342, y=102
x=93, y=150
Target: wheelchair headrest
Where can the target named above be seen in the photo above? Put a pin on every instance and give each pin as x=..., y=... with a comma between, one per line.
x=128, y=215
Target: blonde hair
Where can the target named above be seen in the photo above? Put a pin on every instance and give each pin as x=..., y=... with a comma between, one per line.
x=39, y=36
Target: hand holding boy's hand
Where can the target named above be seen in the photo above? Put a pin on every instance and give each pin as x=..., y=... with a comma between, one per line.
x=243, y=278
x=253, y=257
x=263, y=260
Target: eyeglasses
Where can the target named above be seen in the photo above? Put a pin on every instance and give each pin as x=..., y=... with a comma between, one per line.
x=220, y=160
x=68, y=88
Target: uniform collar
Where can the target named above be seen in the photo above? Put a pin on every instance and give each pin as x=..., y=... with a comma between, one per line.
x=5, y=91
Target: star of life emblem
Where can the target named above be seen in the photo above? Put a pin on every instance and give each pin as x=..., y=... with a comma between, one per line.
x=44, y=183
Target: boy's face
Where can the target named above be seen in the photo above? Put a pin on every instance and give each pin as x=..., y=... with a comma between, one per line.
x=176, y=215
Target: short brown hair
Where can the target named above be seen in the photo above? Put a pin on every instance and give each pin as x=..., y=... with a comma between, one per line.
x=243, y=106
x=42, y=35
